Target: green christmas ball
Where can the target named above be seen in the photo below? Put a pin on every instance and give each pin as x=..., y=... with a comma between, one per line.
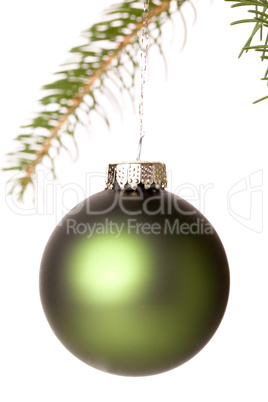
x=134, y=283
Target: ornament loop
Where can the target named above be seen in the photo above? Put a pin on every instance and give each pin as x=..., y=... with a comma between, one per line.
x=132, y=174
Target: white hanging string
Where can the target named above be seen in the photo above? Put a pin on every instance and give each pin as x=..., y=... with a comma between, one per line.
x=144, y=43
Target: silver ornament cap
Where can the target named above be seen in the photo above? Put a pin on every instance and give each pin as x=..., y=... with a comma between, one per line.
x=131, y=174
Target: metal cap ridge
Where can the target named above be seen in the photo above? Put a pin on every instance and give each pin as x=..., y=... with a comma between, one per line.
x=128, y=175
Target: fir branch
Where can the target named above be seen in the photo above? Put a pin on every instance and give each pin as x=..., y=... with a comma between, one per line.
x=82, y=78
x=260, y=20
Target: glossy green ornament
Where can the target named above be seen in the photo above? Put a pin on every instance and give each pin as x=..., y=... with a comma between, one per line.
x=134, y=282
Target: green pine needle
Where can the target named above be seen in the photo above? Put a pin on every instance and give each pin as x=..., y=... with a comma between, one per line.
x=260, y=11
x=112, y=46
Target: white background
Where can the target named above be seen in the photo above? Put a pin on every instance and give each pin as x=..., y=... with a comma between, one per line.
x=201, y=122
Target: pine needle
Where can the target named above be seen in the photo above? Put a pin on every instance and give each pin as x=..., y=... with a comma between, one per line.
x=78, y=82
x=260, y=20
